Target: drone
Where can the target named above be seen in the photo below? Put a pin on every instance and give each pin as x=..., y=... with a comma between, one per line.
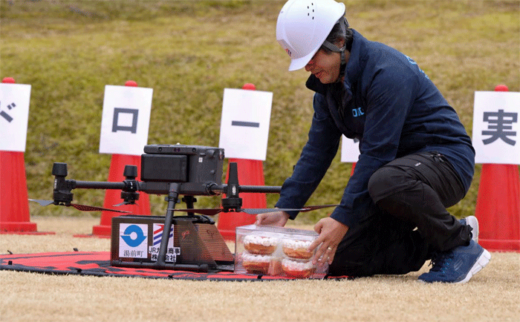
x=174, y=171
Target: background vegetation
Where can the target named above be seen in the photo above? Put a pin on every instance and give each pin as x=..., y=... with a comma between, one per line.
x=189, y=51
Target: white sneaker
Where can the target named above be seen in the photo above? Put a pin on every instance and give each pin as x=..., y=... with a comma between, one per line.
x=471, y=221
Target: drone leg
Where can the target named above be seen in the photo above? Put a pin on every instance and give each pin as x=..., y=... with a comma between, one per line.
x=172, y=200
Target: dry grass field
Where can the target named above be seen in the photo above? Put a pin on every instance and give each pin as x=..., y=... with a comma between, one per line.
x=492, y=295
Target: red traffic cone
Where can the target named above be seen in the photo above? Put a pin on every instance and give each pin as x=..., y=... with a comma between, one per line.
x=498, y=205
x=113, y=197
x=14, y=200
x=8, y=80
x=251, y=173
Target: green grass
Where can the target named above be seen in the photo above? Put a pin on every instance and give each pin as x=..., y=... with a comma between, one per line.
x=189, y=51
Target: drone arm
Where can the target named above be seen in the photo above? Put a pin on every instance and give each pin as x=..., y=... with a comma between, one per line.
x=99, y=185
x=214, y=189
x=62, y=194
x=261, y=189
x=128, y=188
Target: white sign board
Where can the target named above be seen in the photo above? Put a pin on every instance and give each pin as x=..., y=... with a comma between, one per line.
x=349, y=150
x=133, y=239
x=126, y=119
x=496, y=127
x=171, y=252
x=14, y=116
x=244, y=127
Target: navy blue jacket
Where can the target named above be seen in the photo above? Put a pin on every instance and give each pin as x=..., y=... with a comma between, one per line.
x=393, y=108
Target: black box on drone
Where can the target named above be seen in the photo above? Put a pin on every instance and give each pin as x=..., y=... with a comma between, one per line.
x=182, y=163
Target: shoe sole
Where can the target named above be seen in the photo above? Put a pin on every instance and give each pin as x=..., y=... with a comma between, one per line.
x=472, y=221
x=481, y=262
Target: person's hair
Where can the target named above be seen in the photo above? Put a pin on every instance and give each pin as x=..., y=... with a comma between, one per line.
x=338, y=33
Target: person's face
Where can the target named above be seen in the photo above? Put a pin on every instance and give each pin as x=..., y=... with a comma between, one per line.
x=325, y=66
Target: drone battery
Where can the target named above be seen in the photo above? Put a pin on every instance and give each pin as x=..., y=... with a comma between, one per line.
x=169, y=168
x=193, y=166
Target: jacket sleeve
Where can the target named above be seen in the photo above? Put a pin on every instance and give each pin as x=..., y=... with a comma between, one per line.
x=315, y=159
x=389, y=98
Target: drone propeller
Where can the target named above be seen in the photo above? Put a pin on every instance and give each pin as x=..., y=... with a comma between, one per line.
x=43, y=202
x=126, y=203
x=78, y=207
x=252, y=211
x=92, y=208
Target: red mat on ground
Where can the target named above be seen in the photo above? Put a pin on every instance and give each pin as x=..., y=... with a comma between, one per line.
x=98, y=264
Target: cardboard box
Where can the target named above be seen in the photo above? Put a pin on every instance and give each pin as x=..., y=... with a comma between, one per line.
x=192, y=245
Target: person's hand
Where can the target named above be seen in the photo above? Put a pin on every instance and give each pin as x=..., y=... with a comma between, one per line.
x=278, y=218
x=331, y=233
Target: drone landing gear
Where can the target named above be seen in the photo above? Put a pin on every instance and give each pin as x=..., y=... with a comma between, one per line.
x=195, y=244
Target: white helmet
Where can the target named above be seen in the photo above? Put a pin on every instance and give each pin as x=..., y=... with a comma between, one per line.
x=303, y=26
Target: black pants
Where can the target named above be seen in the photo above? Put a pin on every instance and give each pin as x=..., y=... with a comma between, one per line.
x=408, y=220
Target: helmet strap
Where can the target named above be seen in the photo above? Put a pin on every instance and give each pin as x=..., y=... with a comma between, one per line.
x=332, y=47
